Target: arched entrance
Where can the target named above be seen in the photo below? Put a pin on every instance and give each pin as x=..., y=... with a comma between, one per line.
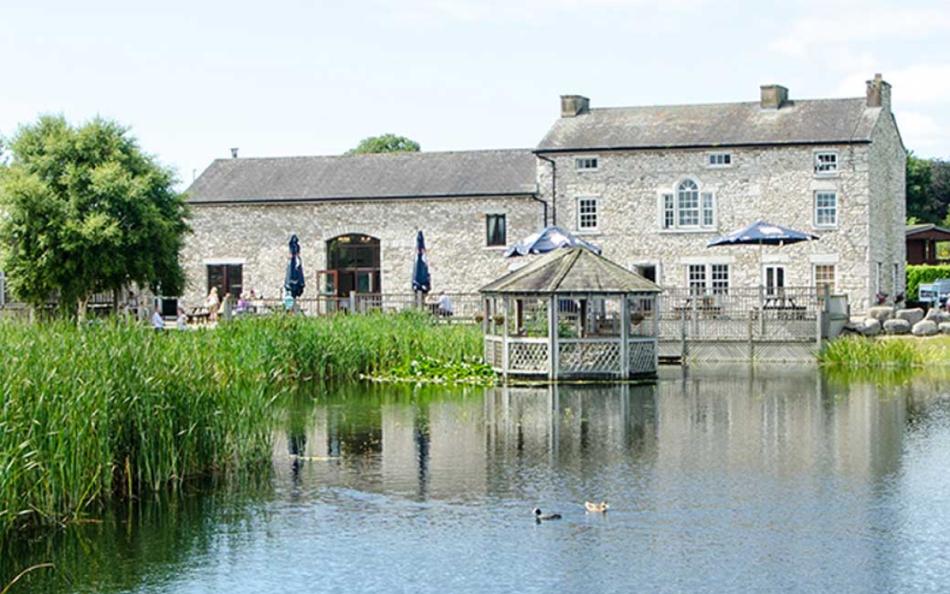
x=352, y=265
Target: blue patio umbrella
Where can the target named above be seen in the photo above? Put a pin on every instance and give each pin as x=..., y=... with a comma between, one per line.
x=294, y=282
x=762, y=233
x=421, y=281
x=547, y=240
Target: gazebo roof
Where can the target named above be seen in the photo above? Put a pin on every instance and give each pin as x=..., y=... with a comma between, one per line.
x=571, y=270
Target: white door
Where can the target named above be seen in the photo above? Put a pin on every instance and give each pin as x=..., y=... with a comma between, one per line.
x=773, y=278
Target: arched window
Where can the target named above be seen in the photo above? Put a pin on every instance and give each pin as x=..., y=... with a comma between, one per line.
x=688, y=207
x=687, y=203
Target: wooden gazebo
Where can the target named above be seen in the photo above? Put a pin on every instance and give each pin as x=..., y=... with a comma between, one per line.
x=571, y=314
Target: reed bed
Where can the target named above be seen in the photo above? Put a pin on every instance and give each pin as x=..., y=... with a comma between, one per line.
x=119, y=409
x=889, y=352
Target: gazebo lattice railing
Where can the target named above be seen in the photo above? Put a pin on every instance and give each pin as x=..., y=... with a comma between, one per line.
x=571, y=315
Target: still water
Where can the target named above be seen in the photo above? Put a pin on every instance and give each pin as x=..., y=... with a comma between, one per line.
x=719, y=479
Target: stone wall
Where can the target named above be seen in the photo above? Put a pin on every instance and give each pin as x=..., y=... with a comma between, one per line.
x=888, y=168
x=777, y=184
x=257, y=234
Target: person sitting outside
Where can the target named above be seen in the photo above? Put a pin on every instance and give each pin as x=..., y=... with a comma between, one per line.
x=181, y=322
x=242, y=305
x=444, y=305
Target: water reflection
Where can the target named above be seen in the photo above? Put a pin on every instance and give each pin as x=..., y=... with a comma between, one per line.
x=719, y=479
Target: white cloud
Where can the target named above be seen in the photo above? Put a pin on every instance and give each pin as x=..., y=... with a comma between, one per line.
x=846, y=24
x=442, y=11
x=921, y=133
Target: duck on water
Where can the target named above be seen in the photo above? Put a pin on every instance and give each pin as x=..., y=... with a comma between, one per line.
x=543, y=517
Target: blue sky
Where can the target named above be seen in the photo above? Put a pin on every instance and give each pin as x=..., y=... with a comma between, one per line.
x=302, y=78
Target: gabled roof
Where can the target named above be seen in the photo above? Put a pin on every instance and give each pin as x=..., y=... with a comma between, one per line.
x=813, y=121
x=571, y=270
x=933, y=231
x=374, y=176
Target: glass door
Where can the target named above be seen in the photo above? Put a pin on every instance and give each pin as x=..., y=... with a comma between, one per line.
x=774, y=280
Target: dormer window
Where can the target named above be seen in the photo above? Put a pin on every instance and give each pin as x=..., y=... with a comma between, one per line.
x=826, y=163
x=719, y=159
x=586, y=163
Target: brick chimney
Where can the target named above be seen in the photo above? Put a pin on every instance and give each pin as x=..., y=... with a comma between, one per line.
x=574, y=105
x=773, y=96
x=879, y=93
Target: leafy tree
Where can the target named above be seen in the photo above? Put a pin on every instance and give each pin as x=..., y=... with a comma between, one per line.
x=387, y=143
x=85, y=211
x=928, y=189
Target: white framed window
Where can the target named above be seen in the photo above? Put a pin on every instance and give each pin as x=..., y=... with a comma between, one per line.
x=826, y=209
x=878, y=267
x=896, y=277
x=587, y=216
x=719, y=160
x=586, y=163
x=688, y=208
x=719, y=278
x=826, y=163
x=707, y=278
x=3, y=289
x=696, y=278
x=824, y=278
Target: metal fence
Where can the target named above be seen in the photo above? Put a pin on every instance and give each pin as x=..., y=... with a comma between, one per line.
x=742, y=323
x=461, y=307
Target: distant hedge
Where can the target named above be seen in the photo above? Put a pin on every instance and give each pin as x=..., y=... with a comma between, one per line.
x=923, y=273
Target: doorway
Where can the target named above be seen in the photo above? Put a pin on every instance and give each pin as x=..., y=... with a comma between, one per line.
x=352, y=266
x=774, y=280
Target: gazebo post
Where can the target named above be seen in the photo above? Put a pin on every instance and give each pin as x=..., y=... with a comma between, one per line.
x=656, y=331
x=553, y=347
x=504, y=340
x=624, y=335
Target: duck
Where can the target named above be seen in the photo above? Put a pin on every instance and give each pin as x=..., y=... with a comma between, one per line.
x=542, y=517
x=596, y=508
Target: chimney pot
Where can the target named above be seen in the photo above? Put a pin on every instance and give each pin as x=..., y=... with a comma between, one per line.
x=773, y=96
x=574, y=105
x=879, y=92
x=234, y=152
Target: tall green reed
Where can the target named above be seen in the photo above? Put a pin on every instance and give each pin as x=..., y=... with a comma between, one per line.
x=120, y=409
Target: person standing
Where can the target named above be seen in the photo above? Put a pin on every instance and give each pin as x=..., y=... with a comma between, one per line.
x=158, y=322
x=211, y=304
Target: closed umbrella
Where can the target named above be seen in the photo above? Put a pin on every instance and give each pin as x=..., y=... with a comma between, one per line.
x=421, y=281
x=294, y=281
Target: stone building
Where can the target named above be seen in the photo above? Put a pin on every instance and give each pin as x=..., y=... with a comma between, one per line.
x=357, y=218
x=650, y=185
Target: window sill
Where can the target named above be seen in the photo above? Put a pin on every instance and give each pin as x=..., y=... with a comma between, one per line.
x=832, y=174
x=588, y=232
x=675, y=231
x=495, y=248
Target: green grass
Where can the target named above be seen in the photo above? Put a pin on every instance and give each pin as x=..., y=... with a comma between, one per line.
x=117, y=409
x=857, y=352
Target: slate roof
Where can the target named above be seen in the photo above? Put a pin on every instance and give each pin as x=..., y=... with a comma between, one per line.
x=571, y=270
x=810, y=121
x=374, y=176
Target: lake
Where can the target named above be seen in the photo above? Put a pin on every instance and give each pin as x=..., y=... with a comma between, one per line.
x=719, y=479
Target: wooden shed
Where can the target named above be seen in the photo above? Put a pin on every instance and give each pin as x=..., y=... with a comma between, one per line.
x=922, y=243
x=571, y=314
